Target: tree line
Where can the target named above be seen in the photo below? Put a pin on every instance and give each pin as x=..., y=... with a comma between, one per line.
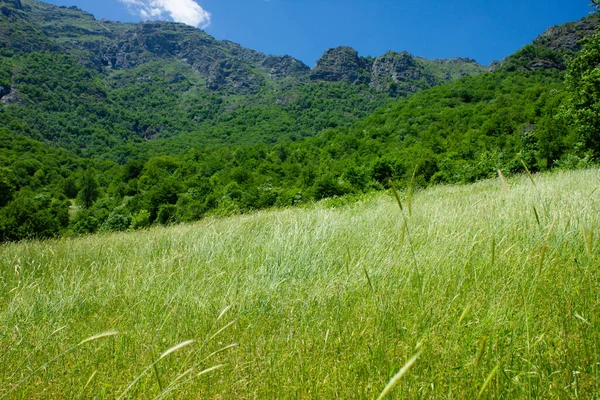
x=114, y=178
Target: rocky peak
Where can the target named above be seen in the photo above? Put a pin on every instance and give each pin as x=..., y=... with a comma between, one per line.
x=398, y=73
x=242, y=53
x=396, y=67
x=549, y=49
x=224, y=65
x=566, y=37
x=339, y=64
x=456, y=60
x=284, y=67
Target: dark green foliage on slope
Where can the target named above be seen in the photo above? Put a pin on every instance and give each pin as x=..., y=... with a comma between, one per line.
x=59, y=102
x=584, y=83
x=456, y=133
x=33, y=179
x=463, y=132
x=66, y=105
x=114, y=134
x=158, y=80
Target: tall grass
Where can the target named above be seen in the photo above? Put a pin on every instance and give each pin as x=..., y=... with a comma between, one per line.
x=322, y=302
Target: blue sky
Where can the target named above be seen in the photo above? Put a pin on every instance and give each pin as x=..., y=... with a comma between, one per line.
x=483, y=30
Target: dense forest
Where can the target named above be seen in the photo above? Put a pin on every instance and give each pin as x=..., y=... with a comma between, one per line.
x=87, y=148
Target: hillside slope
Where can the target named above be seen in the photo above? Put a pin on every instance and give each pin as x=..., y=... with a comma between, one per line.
x=140, y=135
x=328, y=301
x=160, y=79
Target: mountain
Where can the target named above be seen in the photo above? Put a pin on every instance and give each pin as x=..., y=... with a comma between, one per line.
x=551, y=49
x=111, y=126
x=395, y=72
x=105, y=45
x=184, y=82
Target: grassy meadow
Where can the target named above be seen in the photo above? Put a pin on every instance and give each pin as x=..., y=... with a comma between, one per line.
x=494, y=287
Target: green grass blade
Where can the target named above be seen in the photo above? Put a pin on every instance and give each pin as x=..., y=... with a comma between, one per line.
x=396, y=378
x=488, y=380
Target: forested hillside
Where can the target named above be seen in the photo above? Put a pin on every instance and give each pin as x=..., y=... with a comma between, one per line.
x=90, y=86
x=110, y=126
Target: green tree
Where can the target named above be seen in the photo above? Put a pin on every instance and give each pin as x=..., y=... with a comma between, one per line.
x=69, y=187
x=31, y=216
x=89, y=189
x=6, y=187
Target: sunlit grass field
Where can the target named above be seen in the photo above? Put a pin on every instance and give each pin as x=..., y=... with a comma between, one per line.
x=493, y=287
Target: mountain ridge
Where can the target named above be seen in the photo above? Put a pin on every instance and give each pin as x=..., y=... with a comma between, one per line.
x=226, y=65
x=211, y=85
x=550, y=49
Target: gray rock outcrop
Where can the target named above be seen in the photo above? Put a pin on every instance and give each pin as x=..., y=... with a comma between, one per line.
x=549, y=49
x=10, y=97
x=394, y=67
x=284, y=67
x=339, y=64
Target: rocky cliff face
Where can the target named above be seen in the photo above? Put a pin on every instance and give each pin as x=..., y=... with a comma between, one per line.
x=339, y=64
x=397, y=73
x=399, y=67
x=548, y=50
x=225, y=66
x=30, y=25
x=566, y=37
x=284, y=67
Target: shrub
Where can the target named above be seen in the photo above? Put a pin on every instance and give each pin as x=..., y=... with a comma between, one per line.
x=140, y=220
x=167, y=214
x=328, y=186
x=116, y=221
x=32, y=217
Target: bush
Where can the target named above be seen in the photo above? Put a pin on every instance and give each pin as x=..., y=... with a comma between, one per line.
x=386, y=168
x=85, y=223
x=32, y=217
x=167, y=214
x=140, y=220
x=116, y=221
x=189, y=208
x=328, y=186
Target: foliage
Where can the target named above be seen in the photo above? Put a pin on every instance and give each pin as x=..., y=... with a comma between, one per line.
x=6, y=187
x=89, y=189
x=461, y=132
x=140, y=220
x=583, y=80
x=116, y=221
x=31, y=216
x=151, y=143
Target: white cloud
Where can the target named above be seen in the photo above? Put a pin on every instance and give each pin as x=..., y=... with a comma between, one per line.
x=186, y=11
